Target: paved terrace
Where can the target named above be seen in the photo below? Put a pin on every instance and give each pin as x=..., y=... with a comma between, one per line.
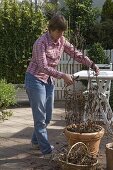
x=15, y=135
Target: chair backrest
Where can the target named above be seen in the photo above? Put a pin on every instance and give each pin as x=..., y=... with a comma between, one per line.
x=105, y=66
x=105, y=85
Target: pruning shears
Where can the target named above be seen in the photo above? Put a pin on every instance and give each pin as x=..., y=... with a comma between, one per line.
x=74, y=79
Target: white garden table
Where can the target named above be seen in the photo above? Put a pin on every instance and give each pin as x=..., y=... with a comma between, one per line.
x=103, y=82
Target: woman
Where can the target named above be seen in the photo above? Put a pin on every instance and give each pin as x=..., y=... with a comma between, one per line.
x=40, y=74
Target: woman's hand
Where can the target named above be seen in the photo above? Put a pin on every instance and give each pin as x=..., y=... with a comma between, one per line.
x=95, y=68
x=68, y=79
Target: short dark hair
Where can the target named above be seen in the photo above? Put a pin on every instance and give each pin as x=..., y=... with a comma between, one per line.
x=57, y=22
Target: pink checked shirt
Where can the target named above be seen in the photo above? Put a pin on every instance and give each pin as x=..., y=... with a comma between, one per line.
x=46, y=55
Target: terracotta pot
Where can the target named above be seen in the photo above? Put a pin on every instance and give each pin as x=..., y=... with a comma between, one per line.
x=92, y=140
x=109, y=156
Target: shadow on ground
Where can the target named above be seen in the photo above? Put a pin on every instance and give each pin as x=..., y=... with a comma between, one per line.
x=21, y=156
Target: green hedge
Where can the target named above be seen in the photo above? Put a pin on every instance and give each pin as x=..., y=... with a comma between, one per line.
x=20, y=26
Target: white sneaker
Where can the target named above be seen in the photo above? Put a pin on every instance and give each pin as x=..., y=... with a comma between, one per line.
x=52, y=147
x=49, y=155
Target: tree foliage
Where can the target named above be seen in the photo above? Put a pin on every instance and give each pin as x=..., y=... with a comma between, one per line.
x=50, y=9
x=102, y=30
x=107, y=10
x=105, y=29
x=81, y=16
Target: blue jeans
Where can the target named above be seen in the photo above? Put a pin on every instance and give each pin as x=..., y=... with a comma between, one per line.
x=41, y=98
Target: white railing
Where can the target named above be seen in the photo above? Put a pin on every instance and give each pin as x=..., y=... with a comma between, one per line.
x=67, y=65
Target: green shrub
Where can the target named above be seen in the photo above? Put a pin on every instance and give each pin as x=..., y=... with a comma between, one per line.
x=7, y=98
x=97, y=54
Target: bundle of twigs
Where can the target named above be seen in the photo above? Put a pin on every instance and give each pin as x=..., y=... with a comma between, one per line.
x=78, y=155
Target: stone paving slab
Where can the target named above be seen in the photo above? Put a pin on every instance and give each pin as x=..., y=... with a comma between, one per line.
x=15, y=136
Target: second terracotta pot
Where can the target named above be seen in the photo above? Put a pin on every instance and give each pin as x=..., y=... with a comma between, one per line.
x=92, y=140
